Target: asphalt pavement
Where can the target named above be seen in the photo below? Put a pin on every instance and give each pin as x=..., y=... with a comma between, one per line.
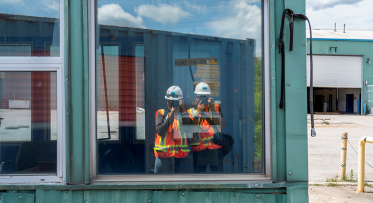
x=324, y=150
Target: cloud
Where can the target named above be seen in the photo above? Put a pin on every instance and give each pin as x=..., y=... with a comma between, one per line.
x=20, y=2
x=323, y=4
x=195, y=7
x=113, y=14
x=244, y=23
x=357, y=16
x=165, y=14
x=52, y=6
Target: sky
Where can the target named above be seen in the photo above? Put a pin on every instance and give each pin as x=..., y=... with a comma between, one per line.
x=356, y=14
x=44, y=8
x=238, y=19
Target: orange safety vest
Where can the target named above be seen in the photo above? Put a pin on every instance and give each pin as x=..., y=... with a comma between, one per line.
x=173, y=143
x=203, y=139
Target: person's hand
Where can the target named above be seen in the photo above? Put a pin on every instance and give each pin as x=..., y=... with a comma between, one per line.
x=172, y=111
x=211, y=104
x=181, y=106
x=201, y=107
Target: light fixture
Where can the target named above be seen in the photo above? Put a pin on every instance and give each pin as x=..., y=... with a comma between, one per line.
x=368, y=60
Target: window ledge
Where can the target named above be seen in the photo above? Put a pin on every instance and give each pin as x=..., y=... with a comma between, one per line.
x=250, y=185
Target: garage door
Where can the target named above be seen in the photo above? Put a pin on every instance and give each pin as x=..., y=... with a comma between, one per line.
x=335, y=71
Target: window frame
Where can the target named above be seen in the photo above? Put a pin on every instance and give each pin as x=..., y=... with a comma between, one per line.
x=38, y=64
x=266, y=176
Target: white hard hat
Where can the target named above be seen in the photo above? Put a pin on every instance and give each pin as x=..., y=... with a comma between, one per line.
x=202, y=88
x=174, y=93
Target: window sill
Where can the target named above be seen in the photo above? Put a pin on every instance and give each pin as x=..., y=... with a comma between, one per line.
x=189, y=178
x=246, y=185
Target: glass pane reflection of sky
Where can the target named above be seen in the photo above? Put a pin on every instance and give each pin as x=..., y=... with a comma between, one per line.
x=238, y=19
x=40, y=8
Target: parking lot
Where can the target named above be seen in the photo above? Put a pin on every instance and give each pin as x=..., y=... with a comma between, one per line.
x=324, y=157
x=324, y=151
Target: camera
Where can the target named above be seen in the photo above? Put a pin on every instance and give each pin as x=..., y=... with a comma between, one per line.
x=204, y=99
x=174, y=104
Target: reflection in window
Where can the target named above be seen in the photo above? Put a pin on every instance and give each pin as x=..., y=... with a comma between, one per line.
x=207, y=52
x=30, y=28
x=28, y=125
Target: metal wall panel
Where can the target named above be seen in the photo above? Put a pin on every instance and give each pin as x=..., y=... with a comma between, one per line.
x=145, y=196
x=96, y=196
x=348, y=48
x=335, y=71
x=18, y=198
x=59, y=196
x=296, y=99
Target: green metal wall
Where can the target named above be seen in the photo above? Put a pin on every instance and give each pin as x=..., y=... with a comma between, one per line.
x=288, y=131
x=129, y=196
x=344, y=47
x=289, y=125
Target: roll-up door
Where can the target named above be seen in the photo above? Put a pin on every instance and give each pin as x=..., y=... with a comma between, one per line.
x=335, y=71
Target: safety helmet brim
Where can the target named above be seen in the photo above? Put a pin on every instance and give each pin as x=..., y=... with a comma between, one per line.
x=172, y=98
x=201, y=93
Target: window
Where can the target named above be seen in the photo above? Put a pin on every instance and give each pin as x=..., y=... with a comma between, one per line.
x=31, y=91
x=202, y=58
x=30, y=28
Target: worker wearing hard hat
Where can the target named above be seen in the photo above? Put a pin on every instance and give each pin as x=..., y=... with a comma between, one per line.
x=209, y=118
x=169, y=140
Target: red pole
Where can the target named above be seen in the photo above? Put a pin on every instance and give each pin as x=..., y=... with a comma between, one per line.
x=104, y=74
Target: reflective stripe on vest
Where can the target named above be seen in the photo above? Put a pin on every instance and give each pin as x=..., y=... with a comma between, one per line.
x=170, y=148
x=198, y=142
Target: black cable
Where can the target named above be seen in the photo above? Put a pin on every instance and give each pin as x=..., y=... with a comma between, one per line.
x=190, y=67
x=282, y=52
x=303, y=17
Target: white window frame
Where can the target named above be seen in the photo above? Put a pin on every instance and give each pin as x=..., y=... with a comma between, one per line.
x=228, y=178
x=35, y=64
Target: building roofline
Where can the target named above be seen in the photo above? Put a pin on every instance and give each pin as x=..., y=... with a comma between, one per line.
x=336, y=39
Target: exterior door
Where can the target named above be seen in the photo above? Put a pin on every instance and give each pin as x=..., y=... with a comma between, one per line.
x=318, y=103
x=349, y=103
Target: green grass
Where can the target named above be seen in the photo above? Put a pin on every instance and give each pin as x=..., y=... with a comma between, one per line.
x=367, y=184
x=258, y=138
x=350, y=177
x=334, y=179
x=332, y=185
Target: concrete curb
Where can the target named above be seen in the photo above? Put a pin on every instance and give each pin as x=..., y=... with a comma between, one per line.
x=334, y=183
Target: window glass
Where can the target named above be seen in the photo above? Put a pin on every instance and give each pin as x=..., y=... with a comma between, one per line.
x=179, y=87
x=30, y=28
x=28, y=122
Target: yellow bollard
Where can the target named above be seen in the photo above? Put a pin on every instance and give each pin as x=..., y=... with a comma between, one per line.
x=363, y=140
x=343, y=155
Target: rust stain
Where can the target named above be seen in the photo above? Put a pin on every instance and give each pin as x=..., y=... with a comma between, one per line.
x=238, y=160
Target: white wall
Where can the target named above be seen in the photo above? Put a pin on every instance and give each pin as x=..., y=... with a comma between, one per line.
x=342, y=98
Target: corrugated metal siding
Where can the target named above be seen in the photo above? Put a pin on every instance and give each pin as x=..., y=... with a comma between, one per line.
x=58, y=196
x=365, y=49
x=146, y=196
x=343, y=47
x=335, y=71
x=18, y=198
